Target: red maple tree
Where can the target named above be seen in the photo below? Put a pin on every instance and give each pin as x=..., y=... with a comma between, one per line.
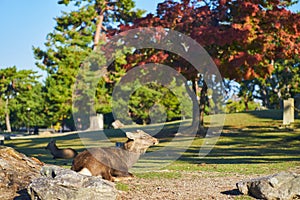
x=244, y=38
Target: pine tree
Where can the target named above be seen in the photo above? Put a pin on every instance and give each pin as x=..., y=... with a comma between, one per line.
x=76, y=35
x=15, y=85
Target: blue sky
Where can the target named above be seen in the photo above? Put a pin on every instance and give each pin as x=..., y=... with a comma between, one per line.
x=25, y=23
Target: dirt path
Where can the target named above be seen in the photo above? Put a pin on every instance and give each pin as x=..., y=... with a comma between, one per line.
x=190, y=186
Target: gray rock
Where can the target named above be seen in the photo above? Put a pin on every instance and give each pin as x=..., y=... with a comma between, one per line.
x=16, y=173
x=117, y=124
x=59, y=183
x=283, y=186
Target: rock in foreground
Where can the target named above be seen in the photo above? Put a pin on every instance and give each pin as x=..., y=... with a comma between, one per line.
x=16, y=173
x=283, y=186
x=59, y=183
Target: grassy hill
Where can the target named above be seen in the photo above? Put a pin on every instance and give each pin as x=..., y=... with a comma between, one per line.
x=251, y=142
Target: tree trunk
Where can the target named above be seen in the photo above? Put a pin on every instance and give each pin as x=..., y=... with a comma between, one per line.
x=246, y=105
x=7, y=120
x=199, y=117
x=195, y=122
x=98, y=33
x=201, y=131
x=98, y=36
x=264, y=96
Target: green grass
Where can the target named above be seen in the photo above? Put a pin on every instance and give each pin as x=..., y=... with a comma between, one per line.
x=251, y=143
x=244, y=197
x=122, y=187
x=224, y=169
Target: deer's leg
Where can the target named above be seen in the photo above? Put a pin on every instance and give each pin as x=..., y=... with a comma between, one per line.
x=118, y=173
x=106, y=174
x=122, y=175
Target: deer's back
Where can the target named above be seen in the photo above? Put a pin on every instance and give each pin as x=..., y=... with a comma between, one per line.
x=67, y=153
x=95, y=159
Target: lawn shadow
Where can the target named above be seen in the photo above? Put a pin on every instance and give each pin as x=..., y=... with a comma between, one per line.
x=261, y=140
x=267, y=114
x=35, y=147
x=253, y=144
x=256, y=139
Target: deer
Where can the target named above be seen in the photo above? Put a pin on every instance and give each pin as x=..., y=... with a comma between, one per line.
x=67, y=153
x=113, y=163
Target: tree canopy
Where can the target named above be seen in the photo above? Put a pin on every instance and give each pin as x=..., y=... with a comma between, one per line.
x=75, y=36
x=243, y=37
x=246, y=39
x=19, y=91
x=255, y=43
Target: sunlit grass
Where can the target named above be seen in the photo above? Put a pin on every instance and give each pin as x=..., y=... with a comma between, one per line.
x=251, y=143
x=245, y=168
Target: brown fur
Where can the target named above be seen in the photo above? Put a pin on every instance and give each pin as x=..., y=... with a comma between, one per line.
x=67, y=153
x=112, y=163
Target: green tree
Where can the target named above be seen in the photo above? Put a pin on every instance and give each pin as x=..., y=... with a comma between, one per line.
x=281, y=84
x=76, y=35
x=27, y=108
x=239, y=106
x=154, y=103
x=285, y=79
x=14, y=85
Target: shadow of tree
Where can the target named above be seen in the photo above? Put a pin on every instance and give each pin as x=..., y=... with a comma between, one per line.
x=256, y=139
x=253, y=144
x=267, y=114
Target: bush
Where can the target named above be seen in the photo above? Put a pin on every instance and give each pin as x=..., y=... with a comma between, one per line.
x=239, y=106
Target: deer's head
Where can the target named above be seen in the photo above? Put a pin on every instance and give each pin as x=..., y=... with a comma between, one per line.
x=139, y=141
x=51, y=144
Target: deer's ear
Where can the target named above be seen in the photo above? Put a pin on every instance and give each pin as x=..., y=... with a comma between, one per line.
x=130, y=135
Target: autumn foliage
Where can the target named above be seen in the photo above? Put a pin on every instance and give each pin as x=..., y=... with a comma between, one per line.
x=243, y=37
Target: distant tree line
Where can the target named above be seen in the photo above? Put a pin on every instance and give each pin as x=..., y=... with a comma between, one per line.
x=253, y=43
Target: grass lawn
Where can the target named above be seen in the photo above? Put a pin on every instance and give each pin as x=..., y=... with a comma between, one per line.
x=251, y=143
